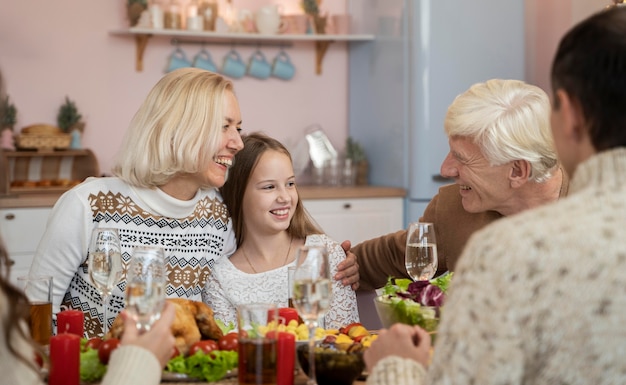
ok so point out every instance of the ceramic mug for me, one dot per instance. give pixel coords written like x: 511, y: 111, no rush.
x: 259, y: 67
x: 204, y: 61
x: 177, y: 60
x: 234, y: 66
x: 282, y: 67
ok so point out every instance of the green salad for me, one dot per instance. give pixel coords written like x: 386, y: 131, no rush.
x: 413, y: 303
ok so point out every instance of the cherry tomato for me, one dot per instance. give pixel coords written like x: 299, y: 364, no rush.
x: 93, y: 343
x: 205, y: 346
x: 106, y: 348
x: 229, y: 341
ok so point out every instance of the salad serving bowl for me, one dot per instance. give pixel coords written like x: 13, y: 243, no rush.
x: 412, y: 303
x: 406, y: 311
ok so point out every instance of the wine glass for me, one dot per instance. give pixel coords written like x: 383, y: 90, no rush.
x: 421, y: 251
x: 105, y: 265
x: 312, y: 293
x: 145, y: 286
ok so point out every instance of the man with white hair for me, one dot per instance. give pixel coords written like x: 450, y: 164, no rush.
x: 502, y: 160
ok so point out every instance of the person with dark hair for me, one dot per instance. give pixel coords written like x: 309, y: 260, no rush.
x: 539, y: 297
x: 270, y: 224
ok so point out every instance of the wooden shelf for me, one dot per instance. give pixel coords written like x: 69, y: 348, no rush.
x: 37, y: 172
x: 142, y: 35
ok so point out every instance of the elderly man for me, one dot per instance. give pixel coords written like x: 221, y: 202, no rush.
x: 503, y: 161
x: 539, y: 298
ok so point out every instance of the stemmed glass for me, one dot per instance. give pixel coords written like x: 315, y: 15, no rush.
x: 145, y: 286
x: 421, y: 251
x: 105, y: 265
x: 312, y: 293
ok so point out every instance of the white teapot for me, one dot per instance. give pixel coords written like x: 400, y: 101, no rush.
x: 268, y: 20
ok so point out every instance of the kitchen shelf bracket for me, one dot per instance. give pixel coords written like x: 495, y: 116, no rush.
x: 141, y: 42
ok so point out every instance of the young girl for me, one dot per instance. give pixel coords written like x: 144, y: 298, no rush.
x: 270, y: 225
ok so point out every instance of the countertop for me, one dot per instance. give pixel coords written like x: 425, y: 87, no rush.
x: 306, y: 192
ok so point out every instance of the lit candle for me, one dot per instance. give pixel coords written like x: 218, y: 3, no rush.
x: 285, y: 358
x: 64, y: 360
x: 70, y: 321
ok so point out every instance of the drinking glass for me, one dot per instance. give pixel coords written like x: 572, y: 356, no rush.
x: 105, y: 265
x: 38, y: 291
x: 145, y: 286
x: 312, y: 293
x: 421, y: 251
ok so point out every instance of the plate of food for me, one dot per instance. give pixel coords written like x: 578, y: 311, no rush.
x: 182, y: 377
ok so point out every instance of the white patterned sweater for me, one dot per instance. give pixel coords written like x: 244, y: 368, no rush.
x: 195, y: 234
x: 228, y: 287
x: 540, y: 297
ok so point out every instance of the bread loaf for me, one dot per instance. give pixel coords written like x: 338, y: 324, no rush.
x: 41, y: 129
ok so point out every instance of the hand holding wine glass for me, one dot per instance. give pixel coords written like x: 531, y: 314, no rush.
x: 145, y: 286
x: 421, y: 251
x: 105, y: 265
x: 312, y: 293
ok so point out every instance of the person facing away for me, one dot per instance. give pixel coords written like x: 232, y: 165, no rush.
x: 271, y: 224
x: 138, y: 361
x: 539, y: 298
x: 502, y: 160
x: 176, y: 152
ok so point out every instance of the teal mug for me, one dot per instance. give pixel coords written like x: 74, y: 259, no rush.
x: 282, y: 67
x: 177, y: 60
x: 204, y: 61
x: 259, y: 67
x: 234, y: 66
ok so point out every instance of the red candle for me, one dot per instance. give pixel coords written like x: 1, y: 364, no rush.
x: 285, y: 358
x: 70, y: 321
x: 64, y: 360
x: 285, y: 314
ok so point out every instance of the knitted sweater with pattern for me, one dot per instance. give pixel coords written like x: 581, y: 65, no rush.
x: 194, y: 234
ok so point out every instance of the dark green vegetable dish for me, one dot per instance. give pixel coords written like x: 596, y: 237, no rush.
x: 333, y: 366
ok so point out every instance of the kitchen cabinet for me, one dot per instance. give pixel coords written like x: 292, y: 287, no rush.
x: 322, y: 41
x: 357, y: 219
x: 21, y: 229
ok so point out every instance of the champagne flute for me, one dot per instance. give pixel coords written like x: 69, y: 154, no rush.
x: 421, y: 251
x: 312, y: 293
x: 105, y: 265
x: 145, y: 286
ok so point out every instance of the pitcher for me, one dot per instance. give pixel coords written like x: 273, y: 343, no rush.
x: 268, y: 20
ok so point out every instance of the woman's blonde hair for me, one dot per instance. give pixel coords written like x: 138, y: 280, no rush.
x: 176, y: 130
x: 508, y: 120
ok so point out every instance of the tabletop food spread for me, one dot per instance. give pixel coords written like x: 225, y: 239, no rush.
x: 216, y: 361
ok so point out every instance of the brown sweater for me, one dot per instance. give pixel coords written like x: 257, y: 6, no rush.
x: 383, y: 257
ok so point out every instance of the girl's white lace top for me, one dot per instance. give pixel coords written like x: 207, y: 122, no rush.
x: 228, y: 287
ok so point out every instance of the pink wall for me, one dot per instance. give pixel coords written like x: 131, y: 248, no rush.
x: 50, y: 49
x: 546, y: 23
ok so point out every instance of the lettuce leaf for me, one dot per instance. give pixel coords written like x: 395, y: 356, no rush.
x: 91, y: 369
x: 209, y: 367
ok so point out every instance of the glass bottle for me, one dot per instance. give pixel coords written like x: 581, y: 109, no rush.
x: 208, y: 9
x: 173, y: 15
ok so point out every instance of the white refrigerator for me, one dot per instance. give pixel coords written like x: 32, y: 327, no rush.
x: 425, y: 53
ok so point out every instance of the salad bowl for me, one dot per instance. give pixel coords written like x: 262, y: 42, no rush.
x: 412, y: 303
